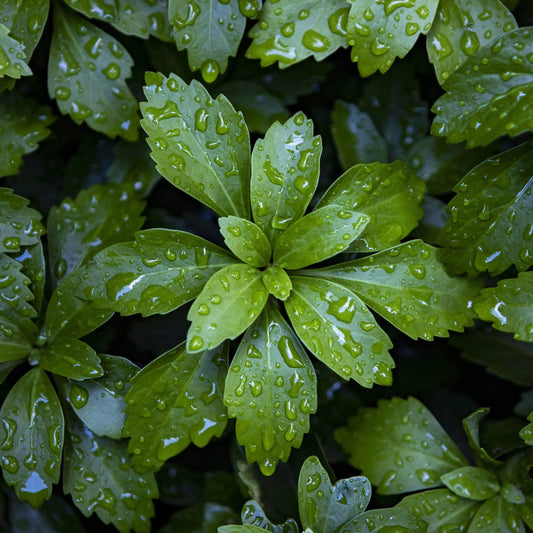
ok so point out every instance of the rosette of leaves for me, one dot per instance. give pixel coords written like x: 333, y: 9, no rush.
x: 402, y: 448
x: 201, y: 145
x: 70, y: 405
x: 328, y: 508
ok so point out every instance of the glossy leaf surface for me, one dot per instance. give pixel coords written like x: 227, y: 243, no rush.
x: 33, y: 266
x: 472, y: 482
x: 277, y: 282
x: 16, y: 340
x: 389, y: 194
x: 253, y: 516
x: 472, y: 430
x: 384, y: 520
x: 12, y: 56
x: 87, y: 74
x: 200, y: 144
x: 33, y: 427
x: 338, y: 329
x: 173, y: 401
x: 285, y: 170
x: 230, y: 302
x: 499, y: 515
x: 491, y: 227
x: 270, y: 390
x: 394, y: 431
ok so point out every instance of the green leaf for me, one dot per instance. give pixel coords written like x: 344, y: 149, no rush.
x: 245, y: 240
x: 285, y: 170
x: 271, y: 390
x: 235, y: 291
x: 399, y: 446
x: 527, y: 431
x: 289, y: 32
x: 472, y: 482
x: 201, y: 145
x: 33, y: 266
x: 209, y: 30
x: 389, y: 194
x: 337, y: 327
x: 240, y: 529
x: 317, y: 236
x: 16, y: 340
x: 157, y: 273
x: 12, y: 56
x: 497, y: 514
x: 277, y: 282
x: 7, y: 367
x: 490, y: 227
x: 409, y: 287
x: 526, y: 511
x: 20, y: 225
x: 253, y: 516
x: 33, y: 425
x: 100, y: 216
x: 385, y: 520
x: 325, y: 508
x: 99, y: 403
x: 471, y: 427
x: 356, y: 138
x: 87, y: 74
x: 98, y: 474
x: 23, y: 124
x: 502, y: 77
x: 70, y: 358
x: 509, y: 306
x: 379, y: 33
x: 173, y: 401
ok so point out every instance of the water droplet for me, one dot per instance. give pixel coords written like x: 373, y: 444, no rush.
x: 288, y: 352
x: 379, y: 48
x: 287, y: 30
x: 210, y: 70
x: 62, y: 93
x: 200, y: 119
x: 78, y: 396
x: 316, y: 42
x: 469, y: 42
x: 411, y: 28
x: 10, y: 427
x: 112, y: 71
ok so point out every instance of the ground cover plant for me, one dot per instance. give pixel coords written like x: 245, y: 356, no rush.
x: 266, y: 266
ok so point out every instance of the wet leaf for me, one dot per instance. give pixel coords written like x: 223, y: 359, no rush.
x: 391, y: 519
x: 379, y: 33
x: 98, y: 474
x: 500, y: 102
x: 471, y: 427
x: 100, y: 216
x: 472, y: 482
x: 12, y: 56
x: 201, y: 145
x: 16, y: 341
x: 209, y: 30
x: 338, y: 329
x: 175, y: 400
x: 33, y: 266
x: 285, y: 170
x: 527, y: 431
x: 87, y: 74
x: 235, y: 291
x: 277, y: 282
x: 509, y: 306
x: 409, y: 287
x: 356, y: 137
x: 490, y: 227
x: 497, y: 514
x: 157, y: 273
x: 270, y: 390
x: 241, y: 529
x: 461, y: 28
x: 289, y: 32
x: 33, y: 425
x: 23, y: 124
x: 389, y: 194
x: 409, y: 448
x: 253, y: 516
x: 317, y: 236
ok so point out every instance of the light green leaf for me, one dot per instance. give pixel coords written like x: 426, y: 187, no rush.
x: 356, y: 138
x: 209, y: 30
x: 499, y: 515
x: 252, y: 515
x: 99, y: 476
x: 157, y: 273
x: 381, y: 32
x: 461, y: 28
x: 70, y: 358
x: 471, y: 427
x: 175, y: 400
x: 87, y: 73
x: 100, y: 216
x: 472, y: 482
x: 271, y: 390
x: 23, y: 124
x: 509, y: 306
x: 20, y: 225
x: 201, y: 145
x: 99, y: 402
x: 241, y: 529
x: 235, y: 291
x: 409, y: 287
x: 16, y: 340
x: 384, y: 520
x: 526, y: 511
x: 33, y: 425
x: 33, y: 266
x: 289, y: 32
x: 12, y: 56
x: 491, y: 227
x: 245, y: 240
x: 337, y: 327
x: 317, y: 236
x: 325, y: 508
x: 285, y: 170
x: 389, y: 194
x: 399, y: 446
x: 277, y: 282
x: 500, y: 103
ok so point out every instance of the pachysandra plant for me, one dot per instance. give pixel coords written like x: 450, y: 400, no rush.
x: 202, y: 146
